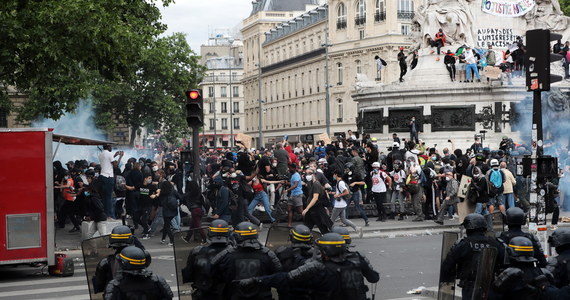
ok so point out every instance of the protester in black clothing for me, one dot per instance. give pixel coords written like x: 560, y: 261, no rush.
x: 314, y: 213
x: 147, y: 194
x: 133, y: 184
x: 449, y: 62
x: 403, y: 64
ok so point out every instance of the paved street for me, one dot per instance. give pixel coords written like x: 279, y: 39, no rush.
x: 400, y: 261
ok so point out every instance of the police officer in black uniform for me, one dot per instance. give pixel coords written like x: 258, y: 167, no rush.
x: 198, y: 268
x: 135, y: 281
x: 121, y: 237
x: 515, y: 220
x: 519, y: 280
x: 462, y: 259
x: 295, y: 255
x: 249, y: 259
x: 560, y: 265
x: 300, y: 250
x: 331, y: 276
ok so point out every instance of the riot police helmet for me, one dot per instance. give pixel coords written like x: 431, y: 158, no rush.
x: 121, y: 236
x: 521, y: 249
x: 332, y: 246
x: 301, y: 234
x: 219, y: 232
x: 474, y: 221
x: 560, y: 238
x: 246, y: 234
x: 515, y: 216
x: 343, y: 232
x: 133, y: 258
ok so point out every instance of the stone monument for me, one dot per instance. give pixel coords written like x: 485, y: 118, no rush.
x: 458, y: 110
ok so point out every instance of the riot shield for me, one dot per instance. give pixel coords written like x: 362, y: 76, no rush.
x: 485, y: 273
x: 277, y: 236
x: 446, y: 290
x: 182, y: 251
x: 495, y: 223
x: 94, y: 250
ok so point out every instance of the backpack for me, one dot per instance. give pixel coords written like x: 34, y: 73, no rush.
x: 171, y: 202
x: 120, y: 183
x: 495, y: 182
x: 384, y: 63
x: 349, y: 196
x: 246, y: 190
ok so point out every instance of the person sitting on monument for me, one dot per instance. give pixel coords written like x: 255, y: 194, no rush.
x: 438, y: 42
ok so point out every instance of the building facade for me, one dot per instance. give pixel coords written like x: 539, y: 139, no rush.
x: 222, y: 91
x: 343, y: 35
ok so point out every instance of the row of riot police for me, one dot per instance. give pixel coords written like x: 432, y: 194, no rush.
x: 237, y: 266
x: 510, y: 266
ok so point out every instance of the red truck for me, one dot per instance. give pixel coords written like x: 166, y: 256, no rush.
x: 27, y: 229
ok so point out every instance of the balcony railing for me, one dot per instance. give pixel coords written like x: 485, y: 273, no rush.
x: 340, y: 24
x: 360, y: 20
x: 380, y: 16
x: 406, y: 15
x: 222, y: 78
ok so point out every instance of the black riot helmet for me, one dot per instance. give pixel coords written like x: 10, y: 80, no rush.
x: 121, y: 236
x: 521, y: 249
x: 515, y: 216
x: 332, y: 246
x: 560, y: 238
x: 246, y: 235
x: 219, y: 232
x: 133, y: 258
x: 301, y: 234
x: 343, y: 233
x: 474, y: 221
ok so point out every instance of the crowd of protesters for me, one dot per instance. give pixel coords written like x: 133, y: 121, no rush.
x: 318, y: 184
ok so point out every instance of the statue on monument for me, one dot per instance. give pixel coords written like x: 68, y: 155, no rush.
x: 453, y: 16
x: 547, y: 14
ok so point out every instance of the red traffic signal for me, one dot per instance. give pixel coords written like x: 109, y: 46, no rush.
x: 193, y: 94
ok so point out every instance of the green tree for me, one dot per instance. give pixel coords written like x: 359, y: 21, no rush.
x: 154, y: 97
x: 565, y: 6
x: 53, y: 50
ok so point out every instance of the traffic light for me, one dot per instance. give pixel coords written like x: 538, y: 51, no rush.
x: 538, y: 59
x: 194, y: 108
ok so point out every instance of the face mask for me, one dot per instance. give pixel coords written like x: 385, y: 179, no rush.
x: 350, y: 173
x: 155, y: 168
x: 309, y: 177
x: 447, y: 178
x: 434, y: 158
x: 148, y: 181
x: 274, y: 165
x: 86, y: 194
x: 233, y: 175
x: 66, y: 177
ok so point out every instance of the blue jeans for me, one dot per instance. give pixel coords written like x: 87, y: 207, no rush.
x: 263, y: 198
x: 509, y: 200
x: 480, y: 210
x: 468, y: 69
x: 356, y: 197
x: 107, y: 195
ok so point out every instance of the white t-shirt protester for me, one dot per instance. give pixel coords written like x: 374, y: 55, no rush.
x: 399, y: 177
x: 378, y: 182
x: 340, y: 188
x: 105, y: 159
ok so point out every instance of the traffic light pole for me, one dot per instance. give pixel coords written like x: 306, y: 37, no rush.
x: 196, y: 155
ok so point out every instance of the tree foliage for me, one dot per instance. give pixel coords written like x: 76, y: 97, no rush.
x: 154, y: 96
x: 565, y: 6
x: 54, y: 50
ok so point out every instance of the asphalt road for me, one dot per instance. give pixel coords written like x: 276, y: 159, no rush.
x: 404, y: 263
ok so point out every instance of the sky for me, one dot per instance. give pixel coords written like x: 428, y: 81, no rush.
x: 198, y: 18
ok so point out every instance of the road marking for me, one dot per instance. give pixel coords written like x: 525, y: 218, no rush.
x: 48, y: 280
x: 45, y: 291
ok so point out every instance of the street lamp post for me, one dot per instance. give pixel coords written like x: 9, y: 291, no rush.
x: 215, y: 120
x: 260, y: 125
x: 230, y: 59
x: 327, y: 88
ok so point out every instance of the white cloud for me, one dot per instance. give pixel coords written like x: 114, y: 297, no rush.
x: 198, y: 18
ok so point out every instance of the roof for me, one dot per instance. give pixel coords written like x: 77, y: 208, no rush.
x: 73, y: 140
x: 281, y: 5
